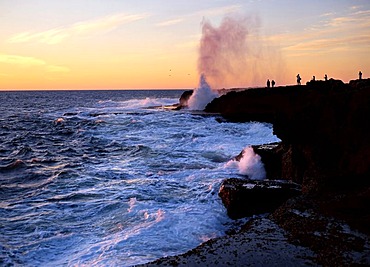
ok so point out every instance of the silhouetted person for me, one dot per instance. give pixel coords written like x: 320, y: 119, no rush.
x: 272, y: 83
x: 268, y: 83
x: 360, y: 75
x: 299, y: 79
x: 313, y: 78
x: 326, y: 77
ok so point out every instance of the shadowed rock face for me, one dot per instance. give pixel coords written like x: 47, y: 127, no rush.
x: 244, y: 198
x: 324, y: 128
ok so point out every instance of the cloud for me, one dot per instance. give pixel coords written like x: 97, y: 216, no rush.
x: 26, y: 62
x: 21, y: 60
x: 170, y: 22
x: 219, y: 10
x: 57, y: 35
x: 335, y: 44
x: 205, y: 12
x: 105, y: 23
x: 337, y: 33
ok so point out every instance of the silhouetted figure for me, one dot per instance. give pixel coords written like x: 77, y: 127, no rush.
x: 272, y: 83
x: 360, y: 75
x: 326, y: 77
x: 299, y: 79
x: 268, y: 83
x: 313, y: 78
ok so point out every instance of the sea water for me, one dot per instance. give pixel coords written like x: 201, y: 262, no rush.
x: 102, y: 178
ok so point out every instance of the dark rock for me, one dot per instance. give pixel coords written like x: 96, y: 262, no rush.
x: 184, y: 98
x: 271, y: 157
x: 309, y: 222
x: 244, y: 198
x: 324, y: 128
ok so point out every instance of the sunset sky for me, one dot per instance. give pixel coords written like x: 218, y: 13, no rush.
x: 119, y: 44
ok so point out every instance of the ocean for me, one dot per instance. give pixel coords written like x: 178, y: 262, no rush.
x: 111, y: 178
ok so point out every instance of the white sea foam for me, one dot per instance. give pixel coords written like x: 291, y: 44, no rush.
x: 202, y: 95
x: 250, y: 164
x: 148, y: 102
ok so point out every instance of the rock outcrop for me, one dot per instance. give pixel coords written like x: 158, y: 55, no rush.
x: 183, y: 101
x: 324, y: 128
x: 244, y: 198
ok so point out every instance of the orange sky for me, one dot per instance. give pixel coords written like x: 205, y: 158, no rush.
x: 146, y: 45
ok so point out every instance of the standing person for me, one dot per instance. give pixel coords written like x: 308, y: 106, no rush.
x: 360, y: 75
x: 326, y: 77
x: 272, y: 83
x: 268, y: 83
x: 299, y: 79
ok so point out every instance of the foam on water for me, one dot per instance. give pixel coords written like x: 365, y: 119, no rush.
x: 116, y: 183
x: 250, y: 164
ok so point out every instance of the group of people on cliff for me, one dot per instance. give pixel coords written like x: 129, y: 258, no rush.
x: 325, y: 78
x: 272, y: 83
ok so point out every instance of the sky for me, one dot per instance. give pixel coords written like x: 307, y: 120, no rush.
x: 142, y: 44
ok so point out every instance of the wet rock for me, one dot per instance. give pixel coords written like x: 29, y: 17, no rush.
x: 184, y: 98
x: 263, y: 243
x: 271, y: 157
x: 308, y: 222
x: 244, y: 198
x: 324, y: 127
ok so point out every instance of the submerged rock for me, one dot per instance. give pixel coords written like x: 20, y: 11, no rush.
x: 244, y: 198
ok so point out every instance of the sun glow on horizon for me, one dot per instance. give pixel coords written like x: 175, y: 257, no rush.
x: 116, y: 45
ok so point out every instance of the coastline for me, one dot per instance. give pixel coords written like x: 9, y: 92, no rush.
x: 324, y: 129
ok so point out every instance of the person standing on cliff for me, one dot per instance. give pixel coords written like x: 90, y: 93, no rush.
x: 360, y: 75
x: 326, y: 78
x: 299, y: 79
x: 268, y: 83
x: 272, y: 83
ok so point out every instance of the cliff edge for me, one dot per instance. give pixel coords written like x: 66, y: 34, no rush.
x: 324, y: 127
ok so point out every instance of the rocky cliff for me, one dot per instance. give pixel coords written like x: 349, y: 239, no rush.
x: 324, y: 128
x: 325, y: 133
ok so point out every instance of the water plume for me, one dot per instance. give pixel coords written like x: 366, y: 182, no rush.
x: 223, y: 51
x: 250, y: 164
x: 201, y: 96
x: 234, y: 55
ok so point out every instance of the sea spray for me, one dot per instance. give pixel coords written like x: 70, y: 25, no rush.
x: 221, y: 57
x: 201, y: 96
x: 235, y: 55
x: 250, y: 164
x: 223, y: 54
x: 223, y: 51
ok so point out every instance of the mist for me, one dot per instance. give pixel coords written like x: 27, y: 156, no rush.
x: 233, y: 55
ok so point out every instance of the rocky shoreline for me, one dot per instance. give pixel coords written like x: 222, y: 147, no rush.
x: 325, y: 151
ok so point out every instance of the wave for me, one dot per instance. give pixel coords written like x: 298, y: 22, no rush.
x: 148, y: 103
x: 16, y: 164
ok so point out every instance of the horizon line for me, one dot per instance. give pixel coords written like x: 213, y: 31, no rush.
x: 92, y: 89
